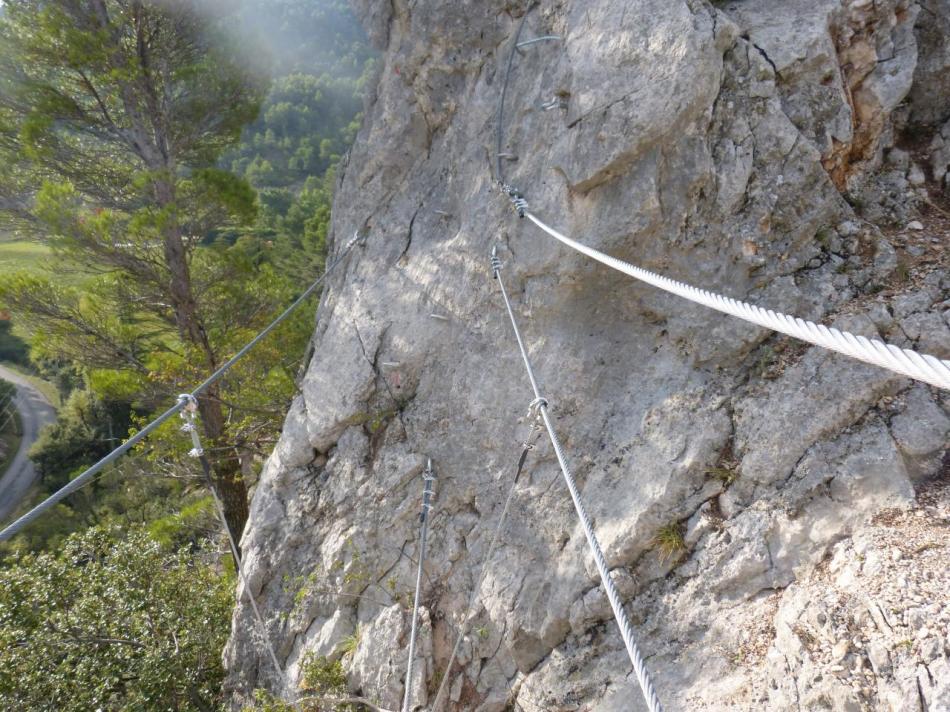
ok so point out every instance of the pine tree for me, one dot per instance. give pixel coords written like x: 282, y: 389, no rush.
x: 113, y: 114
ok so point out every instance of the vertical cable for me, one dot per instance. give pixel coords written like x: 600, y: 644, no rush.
x: 190, y: 407
x: 424, y: 520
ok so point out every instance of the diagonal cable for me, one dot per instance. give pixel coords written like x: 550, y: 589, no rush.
x: 86, y: 476
x: 626, y: 630
x: 189, y: 409
x: 921, y: 367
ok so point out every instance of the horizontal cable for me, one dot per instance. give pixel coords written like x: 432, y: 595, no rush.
x: 921, y: 367
x: 84, y: 478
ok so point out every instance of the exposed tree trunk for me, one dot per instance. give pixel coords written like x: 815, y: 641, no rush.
x: 227, y: 473
x: 147, y: 133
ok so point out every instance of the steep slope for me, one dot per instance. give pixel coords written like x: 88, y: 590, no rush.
x: 713, y: 144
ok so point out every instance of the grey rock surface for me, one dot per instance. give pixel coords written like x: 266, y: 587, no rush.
x: 708, y: 142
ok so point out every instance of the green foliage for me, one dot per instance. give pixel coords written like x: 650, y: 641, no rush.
x: 12, y: 347
x: 76, y: 81
x: 901, y: 272
x: 177, y: 529
x: 85, y: 430
x: 351, y: 642
x: 307, y: 36
x: 323, y: 681
x: 669, y: 541
x: 113, y: 622
x: 323, y: 676
x: 73, y: 89
x: 726, y: 475
x: 305, y: 125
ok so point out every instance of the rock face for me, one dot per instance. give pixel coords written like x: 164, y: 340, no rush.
x: 707, y: 142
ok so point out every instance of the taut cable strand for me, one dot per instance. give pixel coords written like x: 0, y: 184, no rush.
x: 921, y: 367
x: 528, y: 445
x: 626, y: 630
x: 87, y: 476
x: 428, y: 478
x: 189, y: 410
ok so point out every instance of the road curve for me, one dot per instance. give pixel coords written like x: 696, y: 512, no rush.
x: 35, y: 412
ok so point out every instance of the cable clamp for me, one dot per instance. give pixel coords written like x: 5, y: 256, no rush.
x: 495, y: 262
x: 191, y: 403
x: 521, y: 205
x: 428, y: 476
x: 188, y: 414
x: 555, y: 103
x: 518, y: 201
x: 516, y: 197
x: 535, y: 406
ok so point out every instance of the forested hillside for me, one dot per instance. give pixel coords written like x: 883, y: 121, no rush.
x: 151, y: 223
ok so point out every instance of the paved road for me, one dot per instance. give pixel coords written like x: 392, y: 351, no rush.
x: 35, y: 412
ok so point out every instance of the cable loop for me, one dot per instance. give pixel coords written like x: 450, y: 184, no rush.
x: 535, y: 406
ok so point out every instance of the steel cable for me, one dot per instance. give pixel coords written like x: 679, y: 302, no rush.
x: 86, y: 476
x: 921, y: 367
x: 189, y: 409
x: 429, y: 478
x: 626, y: 630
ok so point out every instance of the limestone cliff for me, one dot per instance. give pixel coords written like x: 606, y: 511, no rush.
x: 772, y: 150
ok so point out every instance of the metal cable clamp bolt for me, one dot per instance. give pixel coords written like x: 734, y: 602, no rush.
x: 495, y: 262
x: 188, y: 415
x: 535, y: 406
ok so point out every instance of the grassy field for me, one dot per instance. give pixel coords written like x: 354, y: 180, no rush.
x: 17, y: 255
x: 35, y: 258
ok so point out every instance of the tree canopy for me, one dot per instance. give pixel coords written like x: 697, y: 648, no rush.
x: 112, y: 622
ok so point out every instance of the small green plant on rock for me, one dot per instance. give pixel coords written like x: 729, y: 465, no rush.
x: 726, y: 475
x: 323, y: 684
x: 670, y: 542
x: 901, y: 272
x: 352, y: 642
